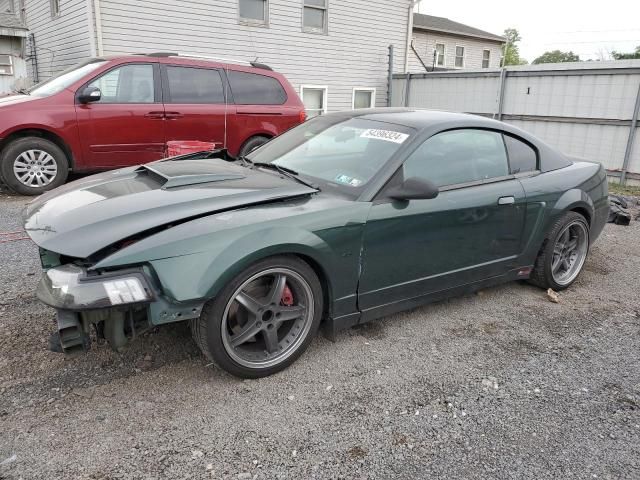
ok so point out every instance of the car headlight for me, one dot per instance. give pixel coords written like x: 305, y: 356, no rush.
x: 69, y: 287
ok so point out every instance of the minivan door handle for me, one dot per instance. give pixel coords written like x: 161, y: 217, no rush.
x: 156, y: 115
x: 171, y: 115
x: 506, y: 201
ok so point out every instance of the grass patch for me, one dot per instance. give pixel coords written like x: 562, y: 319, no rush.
x: 618, y: 189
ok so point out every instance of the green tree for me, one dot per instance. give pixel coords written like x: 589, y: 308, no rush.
x: 557, y: 56
x: 626, y: 56
x: 510, y: 50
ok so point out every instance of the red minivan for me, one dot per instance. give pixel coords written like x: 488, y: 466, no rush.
x: 118, y: 111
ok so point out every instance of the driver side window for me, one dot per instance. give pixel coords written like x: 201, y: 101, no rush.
x: 459, y: 156
x: 126, y: 84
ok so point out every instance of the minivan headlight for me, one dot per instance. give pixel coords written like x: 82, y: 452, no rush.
x: 69, y: 287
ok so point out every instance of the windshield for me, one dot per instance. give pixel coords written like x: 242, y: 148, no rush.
x: 66, y: 78
x: 341, y: 152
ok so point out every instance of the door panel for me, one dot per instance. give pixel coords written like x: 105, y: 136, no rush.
x: 195, y: 104
x: 423, y: 246
x: 126, y: 126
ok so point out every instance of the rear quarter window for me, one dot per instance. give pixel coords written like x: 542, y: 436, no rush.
x: 255, y: 89
x: 522, y: 157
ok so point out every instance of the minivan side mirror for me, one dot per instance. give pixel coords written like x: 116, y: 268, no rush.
x: 414, y: 189
x: 90, y: 94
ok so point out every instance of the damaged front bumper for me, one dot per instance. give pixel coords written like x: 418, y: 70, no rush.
x: 121, y: 304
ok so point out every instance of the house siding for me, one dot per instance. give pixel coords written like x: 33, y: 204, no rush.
x: 425, y: 43
x: 61, y: 41
x: 352, y: 54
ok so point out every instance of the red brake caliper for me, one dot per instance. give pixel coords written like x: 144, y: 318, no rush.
x: 287, y: 297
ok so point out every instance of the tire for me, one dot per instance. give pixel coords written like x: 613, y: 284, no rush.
x: 236, y: 338
x: 251, y: 144
x: 44, y: 164
x: 543, y: 271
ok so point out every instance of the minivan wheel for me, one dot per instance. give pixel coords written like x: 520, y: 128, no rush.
x: 251, y: 144
x: 263, y: 320
x: 33, y: 165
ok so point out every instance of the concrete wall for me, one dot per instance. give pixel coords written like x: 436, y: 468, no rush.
x: 425, y: 42
x: 584, y: 109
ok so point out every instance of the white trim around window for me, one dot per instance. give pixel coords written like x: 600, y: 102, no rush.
x: 456, y: 57
x: 256, y: 22
x: 54, y: 5
x: 372, y: 101
x: 313, y: 112
x: 439, y: 55
x: 313, y: 7
x: 486, y: 58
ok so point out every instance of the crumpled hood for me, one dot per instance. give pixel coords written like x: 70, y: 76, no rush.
x: 85, y: 216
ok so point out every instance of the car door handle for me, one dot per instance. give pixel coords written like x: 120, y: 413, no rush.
x: 171, y: 115
x: 156, y: 115
x: 506, y: 201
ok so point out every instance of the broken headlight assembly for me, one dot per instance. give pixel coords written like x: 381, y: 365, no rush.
x: 69, y: 287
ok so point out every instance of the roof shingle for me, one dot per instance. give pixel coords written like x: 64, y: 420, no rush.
x: 444, y: 25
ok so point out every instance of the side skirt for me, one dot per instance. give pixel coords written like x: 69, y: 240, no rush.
x: 332, y: 326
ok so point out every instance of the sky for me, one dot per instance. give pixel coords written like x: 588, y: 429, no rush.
x: 590, y: 29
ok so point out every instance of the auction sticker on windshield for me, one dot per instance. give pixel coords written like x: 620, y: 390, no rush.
x: 386, y: 135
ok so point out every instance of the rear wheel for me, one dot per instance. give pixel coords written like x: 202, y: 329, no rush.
x: 263, y: 320
x: 251, y: 144
x: 33, y: 165
x: 565, y: 250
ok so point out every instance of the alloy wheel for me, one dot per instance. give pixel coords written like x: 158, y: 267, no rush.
x: 267, y: 318
x: 569, y: 252
x: 35, y: 168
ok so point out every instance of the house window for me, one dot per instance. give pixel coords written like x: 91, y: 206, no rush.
x: 315, y: 16
x: 459, y: 57
x: 254, y: 11
x: 314, y: 99
x: 363, y: 98
x: 6, y: 65
x: 439, y: 54
x: 486, y: 58
x: 55, y: 8
x: 6, y: 6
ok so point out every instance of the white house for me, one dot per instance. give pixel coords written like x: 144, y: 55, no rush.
x: 439, y: 43
x: 334, y: 52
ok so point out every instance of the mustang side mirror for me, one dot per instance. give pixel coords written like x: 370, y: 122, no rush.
x: 90, y: 94
x: 414, y: 189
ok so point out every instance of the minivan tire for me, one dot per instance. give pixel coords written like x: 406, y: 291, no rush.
x: 251, y: 144
x: 46, y: 158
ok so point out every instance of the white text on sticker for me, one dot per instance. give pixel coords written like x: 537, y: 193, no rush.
x: 387, y: 135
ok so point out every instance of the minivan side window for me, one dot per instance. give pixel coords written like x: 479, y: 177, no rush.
x: 255, y: 89
x: 459, y: 156
x: 190, y: 85
x: 522, y: 158
x: 127, y: 84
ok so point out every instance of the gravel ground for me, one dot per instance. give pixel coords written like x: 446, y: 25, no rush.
x: 502, y: 384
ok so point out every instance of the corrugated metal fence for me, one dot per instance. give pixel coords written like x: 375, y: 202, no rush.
x: 587, y: 109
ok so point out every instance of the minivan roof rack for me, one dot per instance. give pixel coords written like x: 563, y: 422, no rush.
x: 205, y: 57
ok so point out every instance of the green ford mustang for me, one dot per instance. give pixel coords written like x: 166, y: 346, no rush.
x: 344, y: 219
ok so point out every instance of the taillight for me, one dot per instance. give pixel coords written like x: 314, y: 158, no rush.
x: 303, y: 116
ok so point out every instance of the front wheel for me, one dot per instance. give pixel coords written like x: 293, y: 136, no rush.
x: 263, y: 320
x: 565, y: 250
x: 33, y: 165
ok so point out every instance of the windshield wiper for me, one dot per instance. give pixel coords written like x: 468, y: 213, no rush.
x: 287, y: 172
x: 23, y: 91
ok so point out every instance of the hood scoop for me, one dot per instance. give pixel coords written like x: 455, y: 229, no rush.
x: 173, y: 179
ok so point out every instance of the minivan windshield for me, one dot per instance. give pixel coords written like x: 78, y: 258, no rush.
x: 66, y: 78
x: 342, y: 151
